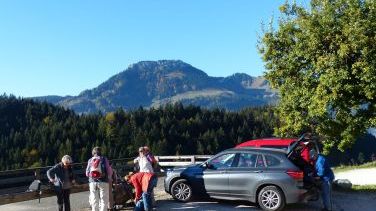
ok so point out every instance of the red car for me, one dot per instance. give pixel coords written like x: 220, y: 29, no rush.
x: 280, y: 143
x: 283, y: 143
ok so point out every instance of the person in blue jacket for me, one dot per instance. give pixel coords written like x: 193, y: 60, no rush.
x: 325, y: 174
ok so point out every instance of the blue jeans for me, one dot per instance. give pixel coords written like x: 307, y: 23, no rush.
x: 326, y: 194
x: 146, y: 198
x: 139, y: 206
x: 144, y: 204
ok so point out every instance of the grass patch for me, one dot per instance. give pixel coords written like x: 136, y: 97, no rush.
x: 357, y: 189
x: 348, y: 168
x: 364, y: 188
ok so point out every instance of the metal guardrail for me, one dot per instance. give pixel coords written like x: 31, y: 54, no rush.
x: 14, y: 183
x: 183, y: 160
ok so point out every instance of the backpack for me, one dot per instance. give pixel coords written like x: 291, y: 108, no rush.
x: 97, y: 168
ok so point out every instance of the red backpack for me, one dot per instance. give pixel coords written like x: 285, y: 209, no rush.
x: 97, y: 168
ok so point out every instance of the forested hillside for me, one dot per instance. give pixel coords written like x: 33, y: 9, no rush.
x: 38, y: 134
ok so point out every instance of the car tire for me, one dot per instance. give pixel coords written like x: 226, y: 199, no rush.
x: 181, y: 190
x: 271, y: 198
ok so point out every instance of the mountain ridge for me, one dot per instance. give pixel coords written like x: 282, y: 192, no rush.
x: 154, y: 83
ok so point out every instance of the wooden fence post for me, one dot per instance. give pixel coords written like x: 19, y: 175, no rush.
x: 193, y: 159
x: 37, y: 174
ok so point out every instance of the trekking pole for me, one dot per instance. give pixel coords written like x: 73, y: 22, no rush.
x: 37, y: 178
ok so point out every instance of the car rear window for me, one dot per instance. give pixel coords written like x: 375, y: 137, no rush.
x: 272, y: 161
x: 275, y: 146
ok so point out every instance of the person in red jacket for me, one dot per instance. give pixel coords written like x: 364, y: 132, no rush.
x: 141, y: 183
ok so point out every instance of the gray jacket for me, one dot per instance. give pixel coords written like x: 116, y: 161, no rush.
x: 57, y: 173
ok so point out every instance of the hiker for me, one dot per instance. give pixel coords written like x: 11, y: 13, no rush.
x: 326, y: 177
x: 100, y: 173
x: 61, y: 175
x: 142, y: 183
x: 308, y: 164
x: 144, y: 165
x: 150, y: 157
x: 145, y: 162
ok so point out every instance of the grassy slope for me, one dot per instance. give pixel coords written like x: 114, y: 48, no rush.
x: 358, y: 188
x: 348, y: 168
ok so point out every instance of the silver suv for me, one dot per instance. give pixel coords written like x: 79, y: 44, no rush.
x: 260, y: 175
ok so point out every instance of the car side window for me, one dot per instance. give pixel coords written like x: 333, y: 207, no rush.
x: 272, y: 161
x: 222, y: 161
x: 247, y: 160
x: 260, y: 162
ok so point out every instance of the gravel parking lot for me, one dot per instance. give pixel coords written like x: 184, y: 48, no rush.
x: 341, y: 201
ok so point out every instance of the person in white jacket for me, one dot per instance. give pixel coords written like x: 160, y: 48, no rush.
x: 145, y: 162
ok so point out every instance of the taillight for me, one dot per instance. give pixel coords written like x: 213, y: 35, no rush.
x: 296, y: 175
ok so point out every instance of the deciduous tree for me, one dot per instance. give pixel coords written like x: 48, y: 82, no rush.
x: 322, y: 59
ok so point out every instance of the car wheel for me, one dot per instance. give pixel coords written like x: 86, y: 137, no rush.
x: 271, y: 198
x: 181, y: 190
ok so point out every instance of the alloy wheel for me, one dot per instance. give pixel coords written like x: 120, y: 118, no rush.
x: 270, y: 199
x: 182, y: 191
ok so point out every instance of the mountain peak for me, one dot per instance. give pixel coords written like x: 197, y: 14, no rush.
x: 158, y: 63
x: 162, y: 68
x: 240, y: 76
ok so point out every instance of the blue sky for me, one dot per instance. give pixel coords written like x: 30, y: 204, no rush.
x: 65, y: 47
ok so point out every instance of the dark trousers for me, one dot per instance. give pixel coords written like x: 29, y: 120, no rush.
x: 63, y: 199
x: 326, y: 195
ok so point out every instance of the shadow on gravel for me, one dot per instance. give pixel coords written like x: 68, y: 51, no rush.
x: 205, y: 204
x: 214, y: 204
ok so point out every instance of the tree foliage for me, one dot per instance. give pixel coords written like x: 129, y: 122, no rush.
x: 39, y: 134
x: 322, y: 59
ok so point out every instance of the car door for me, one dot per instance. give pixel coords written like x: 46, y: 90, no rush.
x: 215, y: 176
x: 246, y: 175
